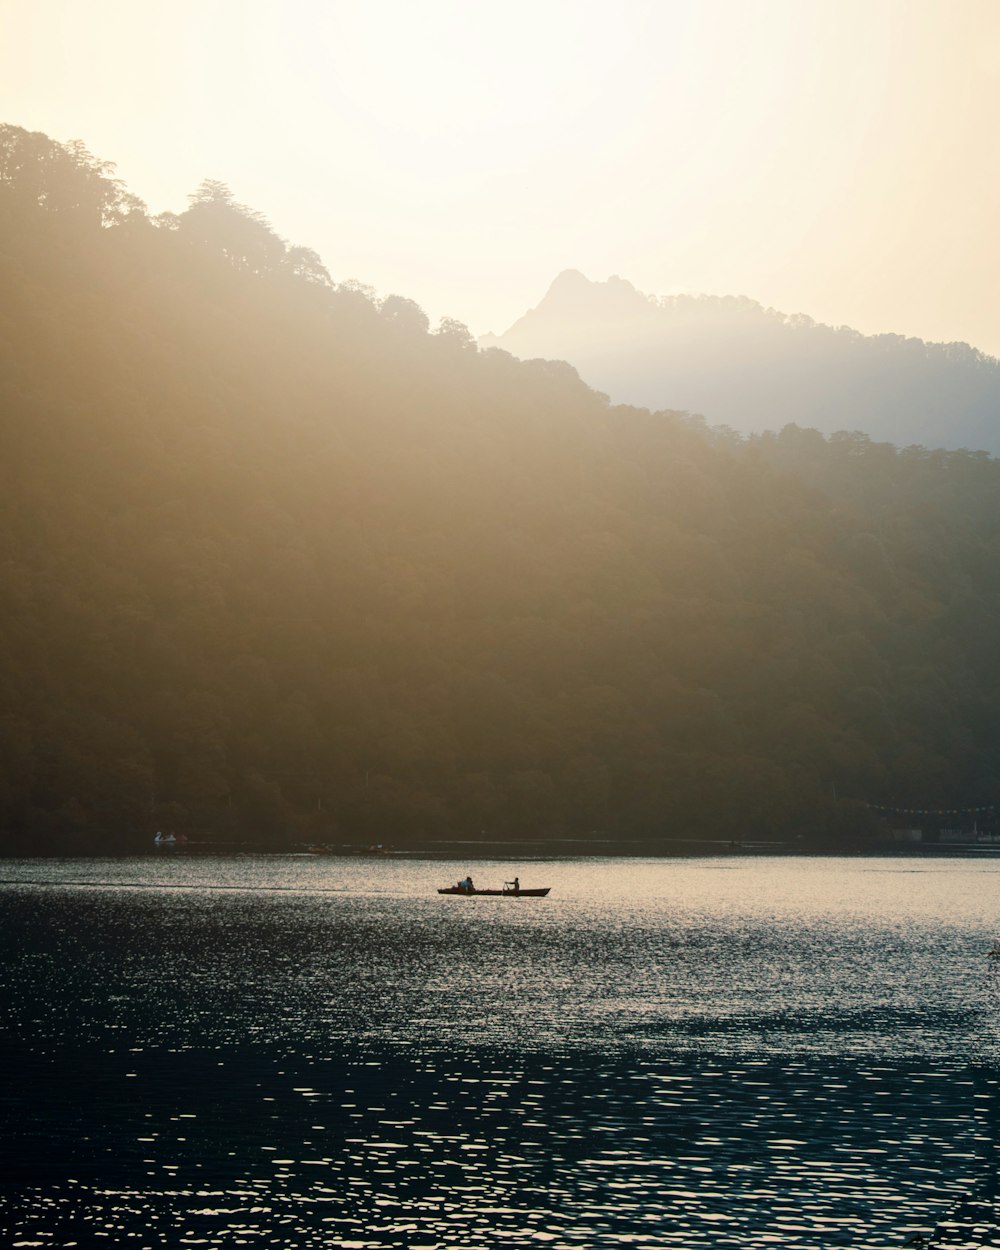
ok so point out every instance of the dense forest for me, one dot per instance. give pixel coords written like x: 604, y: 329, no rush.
x: 281, y: 564
x: 757, y: 369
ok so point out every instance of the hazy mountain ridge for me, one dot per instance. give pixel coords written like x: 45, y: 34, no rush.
x: 278, y: 562
x: 753, y: 368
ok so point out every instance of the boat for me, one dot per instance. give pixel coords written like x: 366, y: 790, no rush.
x: 171, y: 840
x: 504, y: 893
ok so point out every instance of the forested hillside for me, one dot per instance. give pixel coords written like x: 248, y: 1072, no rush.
x: 279, y: 563
x: 756, y: 369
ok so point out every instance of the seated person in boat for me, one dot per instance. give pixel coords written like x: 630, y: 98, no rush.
x: 466, y: 885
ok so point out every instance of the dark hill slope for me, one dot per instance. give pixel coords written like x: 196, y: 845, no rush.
x: 277, y: 563
x: 756, y: 369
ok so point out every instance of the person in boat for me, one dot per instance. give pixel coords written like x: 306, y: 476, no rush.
x: 516, y: 883
x: 467, y: 885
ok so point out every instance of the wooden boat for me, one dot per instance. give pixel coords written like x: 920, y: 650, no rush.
x: 511, y: 893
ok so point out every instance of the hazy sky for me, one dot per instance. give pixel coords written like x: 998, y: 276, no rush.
x: 834, y: 157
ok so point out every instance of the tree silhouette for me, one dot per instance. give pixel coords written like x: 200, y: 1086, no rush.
x: 216, y: 221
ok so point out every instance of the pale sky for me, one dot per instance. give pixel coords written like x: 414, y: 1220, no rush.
x: 834, y: 157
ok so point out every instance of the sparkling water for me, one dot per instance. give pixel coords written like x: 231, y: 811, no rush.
x: 301, y: 1052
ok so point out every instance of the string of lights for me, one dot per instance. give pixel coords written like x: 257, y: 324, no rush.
x: 933, y: 811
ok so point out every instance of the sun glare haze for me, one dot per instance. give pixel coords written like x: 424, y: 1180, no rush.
x: 832, y: 158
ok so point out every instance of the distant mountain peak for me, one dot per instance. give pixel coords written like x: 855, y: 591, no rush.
x: 572, y: 286
x: 755, y: 368
x: 575, y: 306
x: 568, y: 280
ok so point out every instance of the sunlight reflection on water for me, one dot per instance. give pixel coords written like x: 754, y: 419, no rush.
x: 304, y: 1052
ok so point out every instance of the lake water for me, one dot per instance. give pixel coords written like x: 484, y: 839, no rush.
x: 304, y: 1052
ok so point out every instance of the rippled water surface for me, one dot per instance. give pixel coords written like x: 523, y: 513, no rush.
x: 317, y: 1052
